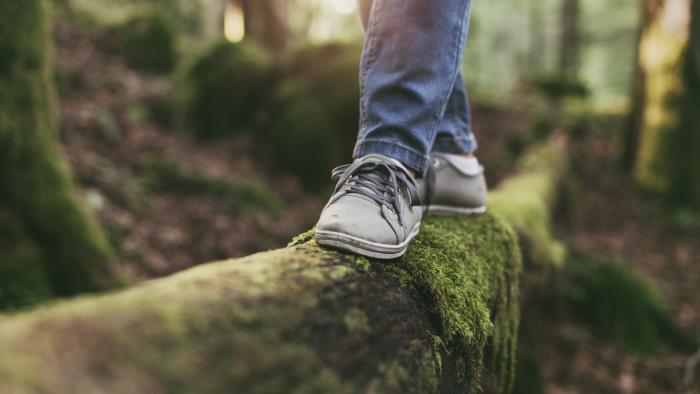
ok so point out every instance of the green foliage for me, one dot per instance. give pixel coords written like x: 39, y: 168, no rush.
x: 223, y: 90
x: 558, y: 86
x: 620, y: 306
x: 36, y: 186
x: 168, y: 176
x: 316, y: 111
x: 150, y: 42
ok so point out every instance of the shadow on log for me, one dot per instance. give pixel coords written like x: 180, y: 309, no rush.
x: 303, y: 319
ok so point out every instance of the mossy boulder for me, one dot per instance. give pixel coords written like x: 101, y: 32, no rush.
x: 315, y: 111
x: 149, y: 42
x: 224, y: 90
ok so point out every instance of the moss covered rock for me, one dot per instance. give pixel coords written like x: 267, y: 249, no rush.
x: 45, y: 229
x: 224, y: 90
x: 315, y: 111
x: 149, y: 42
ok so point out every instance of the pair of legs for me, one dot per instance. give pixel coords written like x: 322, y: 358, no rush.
x: 414, y: 126
x: 413, y: 99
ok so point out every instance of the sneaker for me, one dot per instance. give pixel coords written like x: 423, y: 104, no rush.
x: 454, y: 185
x: 375, y: 210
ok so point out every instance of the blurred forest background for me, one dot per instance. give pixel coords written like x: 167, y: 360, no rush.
x: 197, y: 130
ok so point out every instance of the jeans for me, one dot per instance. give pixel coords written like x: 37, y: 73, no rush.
x: 413, y: 100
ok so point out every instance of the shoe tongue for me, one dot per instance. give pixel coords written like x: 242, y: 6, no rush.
x: 392, y: 161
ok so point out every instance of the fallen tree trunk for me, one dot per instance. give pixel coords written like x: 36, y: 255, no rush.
x: 302, y: 319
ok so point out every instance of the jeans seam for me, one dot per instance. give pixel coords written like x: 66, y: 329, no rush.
x: 458, y: 60
x: 368, y: 61
x: 399, y: 144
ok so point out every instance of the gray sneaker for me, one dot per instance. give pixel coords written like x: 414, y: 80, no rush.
x: 454, y: 185
x: 375, y: 209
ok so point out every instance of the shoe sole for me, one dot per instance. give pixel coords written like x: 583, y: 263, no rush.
x: 447, y: 210
x: 363, y: 247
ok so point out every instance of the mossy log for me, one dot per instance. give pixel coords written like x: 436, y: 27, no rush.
x: 302, y: 319
x: 48, y: 243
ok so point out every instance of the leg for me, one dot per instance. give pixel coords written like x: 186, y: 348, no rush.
x: 409, y: 67
x: 455, y: 131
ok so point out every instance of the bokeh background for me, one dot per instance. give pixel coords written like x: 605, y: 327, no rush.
x: 198, y: 130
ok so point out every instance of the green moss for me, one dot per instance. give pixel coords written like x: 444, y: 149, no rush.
x: 356, y: 322
x: 469, y: 269
x: 620, y: 306
x: 37, y: 186
x: 222, y: 92
x: 302, y: 238
x: 166, y: 175
x: 150, y: 42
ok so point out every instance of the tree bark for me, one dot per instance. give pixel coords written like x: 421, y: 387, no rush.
x: 304, y: 319
x: 64, y: 251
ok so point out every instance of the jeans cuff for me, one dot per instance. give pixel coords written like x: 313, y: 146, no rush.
x: 406, y: 155
x: 449, y: 144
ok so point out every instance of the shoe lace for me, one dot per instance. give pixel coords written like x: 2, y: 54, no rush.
x: 377, y: 180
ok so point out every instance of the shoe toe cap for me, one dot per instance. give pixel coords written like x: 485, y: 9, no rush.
x: 357, y: 218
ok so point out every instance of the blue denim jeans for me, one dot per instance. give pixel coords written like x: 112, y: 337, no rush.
x: 413, y: 100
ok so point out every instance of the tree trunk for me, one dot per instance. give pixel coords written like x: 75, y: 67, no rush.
x: 51, y: 245
x: 630, y: 142
x: 304, y: 319
x: 569, y: 40
x: 266, y: 22
x: 669, y: 133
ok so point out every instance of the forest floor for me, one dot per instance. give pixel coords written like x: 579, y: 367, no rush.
x: 612, y: 218
x: 171, y: 203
